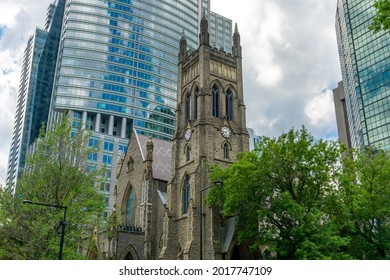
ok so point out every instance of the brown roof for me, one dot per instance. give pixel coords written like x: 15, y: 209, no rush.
x: 162, y: 156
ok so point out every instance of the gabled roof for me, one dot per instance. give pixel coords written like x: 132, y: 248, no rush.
x: 162, y: 155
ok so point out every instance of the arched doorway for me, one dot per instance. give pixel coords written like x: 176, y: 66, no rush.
x: 130, y: 254
x: 240, y: 251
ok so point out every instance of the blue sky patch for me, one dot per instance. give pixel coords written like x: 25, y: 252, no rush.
x: 3, y: 28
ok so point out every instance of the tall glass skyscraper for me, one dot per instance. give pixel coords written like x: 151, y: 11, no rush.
x: 111, y: 66
x: 22, y: 122
x: 365, y: 68
x: 117, y: 62
x: 35, y: 89
x: 220, y: 28
x: 117, y: 70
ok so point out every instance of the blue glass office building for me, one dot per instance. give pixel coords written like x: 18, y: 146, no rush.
x: 117, y: 62
x: 365, y: 65
x: 35, y: 89
x: 117, y: 70
x: 24, y: 105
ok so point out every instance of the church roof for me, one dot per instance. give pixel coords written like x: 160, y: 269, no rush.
x: 162, y: 156
x: 163, y: 196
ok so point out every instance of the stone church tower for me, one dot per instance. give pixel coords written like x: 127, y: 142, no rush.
x: 210, y: 129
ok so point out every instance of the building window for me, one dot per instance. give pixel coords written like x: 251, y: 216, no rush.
x: 130, y: 208
x: 108, y: 146
x: 76, y: 124
x: 107, y: 159
x: 92, y: 156
x: 76, y: 115
x: 122, y: 149
x: 89, y: 123
x: 188, y: 106
x: 93, y: 143
x: 90, y: 168
x: 196, y: 95
x: 229, y: 105
x: 226, y: 150
x: 186, y: 195
x: 105, y: 187
x: 215, y: 94
x: 188, y: 153
x: 130, y: 164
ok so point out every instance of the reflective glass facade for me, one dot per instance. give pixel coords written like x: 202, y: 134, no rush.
x: 220, y: 28
x: 117, y: 70
x: 24, y: 105
x: 220, y: 32
x: 365, y: 65
x: 35, y: 89
x: 119, y: 58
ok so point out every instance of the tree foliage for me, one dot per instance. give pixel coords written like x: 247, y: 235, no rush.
x: 305, y: 199
x: 55, y: 174
x: 282, y: 194
x: 381, y: 21
x: 365, y: 193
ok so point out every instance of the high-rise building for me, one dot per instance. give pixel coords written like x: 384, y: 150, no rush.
x: 220, y: 28
x: 341, y: 115
x: 116, y: 70
x: 365, y: 68
x: 20, y: 134
x: 254, y: 139
x: 35, y: 89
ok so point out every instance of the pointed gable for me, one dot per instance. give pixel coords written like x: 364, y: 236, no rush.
x: 162, y: 156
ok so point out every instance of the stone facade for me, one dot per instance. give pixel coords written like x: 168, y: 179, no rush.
x: 200, y: 116
x: 210, y: 129
x: 145, y: 170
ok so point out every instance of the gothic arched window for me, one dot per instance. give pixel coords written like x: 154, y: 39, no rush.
x: 130, y: 164
x: 229, y: 105
x: 226, y: 150
x: 215, y: 94
x: 130, y: 208
x: 188, y: 153
x: 196, y: 95
x: 186, y: 195
x: 129, y: 256
x: 188, y: 106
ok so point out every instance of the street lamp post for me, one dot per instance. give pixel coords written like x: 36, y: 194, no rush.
x: 215, y: 183
x: 62, y: 222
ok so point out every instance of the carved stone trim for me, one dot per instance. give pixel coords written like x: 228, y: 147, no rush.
x: 222, y: 60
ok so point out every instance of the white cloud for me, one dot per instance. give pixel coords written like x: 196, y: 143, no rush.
x: 290, y: 63
x: 320, y: 110
x: 290, y: 59
x: 7, y: 13
x: 266, y: 33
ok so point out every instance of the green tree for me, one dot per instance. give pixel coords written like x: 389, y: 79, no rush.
x: 381, y: 20
x: 55, y: 174
x: 365, y: 193
x: 283, y: 196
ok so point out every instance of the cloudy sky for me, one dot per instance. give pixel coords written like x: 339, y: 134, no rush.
x: 290, y: 62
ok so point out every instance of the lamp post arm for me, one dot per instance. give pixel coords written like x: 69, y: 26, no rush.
x: 63, y: 224
x: 44, y: 204
x: 216, y: 183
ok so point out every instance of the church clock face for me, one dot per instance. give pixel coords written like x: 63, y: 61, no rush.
x: 187, y: 134
x: 226, y: 132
